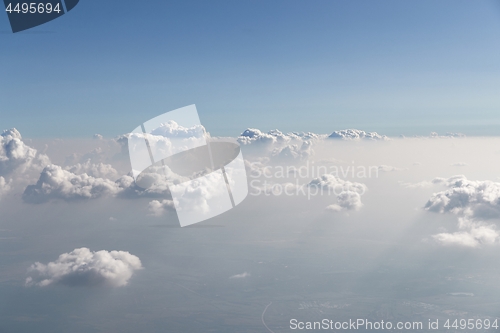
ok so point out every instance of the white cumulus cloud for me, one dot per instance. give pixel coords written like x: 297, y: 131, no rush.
x: 475, y: 199
x: 473, y: 202
x: 471, y: 234
x: 57, y: 183
x: 159, y: 208
x: 97, y: 170
x: 15, y: 155
x: 354, y: 134
x: 4, y: 186
x: 82, y: 267
x: 276, y: 137
x: 348, y: 193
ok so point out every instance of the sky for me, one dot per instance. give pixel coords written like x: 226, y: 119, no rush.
x: 395, y: 67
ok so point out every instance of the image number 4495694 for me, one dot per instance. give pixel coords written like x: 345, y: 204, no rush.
x: 32, y: 8
x: 26, y: 15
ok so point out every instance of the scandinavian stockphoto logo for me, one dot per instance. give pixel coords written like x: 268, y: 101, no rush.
x: 26, y: 15
x: 205, y: 176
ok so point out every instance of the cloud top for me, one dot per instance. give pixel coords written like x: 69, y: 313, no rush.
x: 354, y: 134
x: 57, y: 183
x: 15, y: 155
x: 473, y: 202
x: 475, y: 199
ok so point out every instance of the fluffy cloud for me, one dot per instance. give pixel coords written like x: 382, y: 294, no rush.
x: 97, y: 170
x: 196, y: 194
x: 348, y: 193
x: 159, y: 208
x: 73, y: 183
x: 293, y: 152
x: 474, y: 199
x: 435, y: 135
x: 81, y: 267
x: 347, y: 200
x: 4, y: 186
x: 354, y: 134
x: 152, y: 183
x: 171, y: 129
x: 171, y: 138
x: 15, y: 155
x: 471, y: 234
x: 473, y: 202
x: 252, y: 135
x: 57, y: 183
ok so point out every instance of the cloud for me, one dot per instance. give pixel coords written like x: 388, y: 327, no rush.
x: 354, y: 134
x: 473, y: 202
x: 194, y: 195
x: 171, y: 129
x: 253, y: 136
x: 474, y: 199
x: 435, y: 135
x: 81, y: 267
x: 293, y: 152
x: 96, y: 154
x: 4, y: 186
x: 57, y: 183
x: 350, y: 200
x: 97, y: 137
x: 348, y: 193
x: 455, y: 135
x: 472, y: 234
x: 159, y: 208
x: 97, y: 170
x: 152, y: 183
x: 171, y: 138
x: 346, y: 200
x: 240, y: 276
x: 16, y: 156
x: 459, y: 164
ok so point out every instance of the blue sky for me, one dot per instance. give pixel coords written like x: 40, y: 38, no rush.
x: 396, y: 67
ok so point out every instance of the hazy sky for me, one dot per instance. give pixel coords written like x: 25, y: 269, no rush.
x: 83, y: 250
x: 397, y: 67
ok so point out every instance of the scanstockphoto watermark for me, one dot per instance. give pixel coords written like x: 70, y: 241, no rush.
x: 359, y: 324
